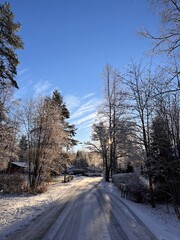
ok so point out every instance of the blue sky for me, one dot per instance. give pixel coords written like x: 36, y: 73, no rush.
x: 67, y: 44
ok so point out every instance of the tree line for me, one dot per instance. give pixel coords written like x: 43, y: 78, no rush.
x: 139, y: 121
x: 38, y: 130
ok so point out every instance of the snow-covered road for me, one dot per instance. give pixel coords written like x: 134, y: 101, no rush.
x: 84, y: 209
x: 94, y: 213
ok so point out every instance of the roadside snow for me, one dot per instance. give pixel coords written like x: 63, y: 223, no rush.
x: 16, y: 211
x: 159, y: 220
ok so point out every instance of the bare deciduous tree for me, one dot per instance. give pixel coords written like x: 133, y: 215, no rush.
x: 141, y: 87
x: 168, y: 39
x: 100, y: 144
x: 113, y: 109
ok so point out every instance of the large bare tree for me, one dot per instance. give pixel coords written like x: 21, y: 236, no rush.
x: 113, y: 109
x: 168, y: 39
x: 141, y: 85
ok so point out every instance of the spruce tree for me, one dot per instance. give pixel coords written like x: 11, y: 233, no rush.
x: 70, y: 129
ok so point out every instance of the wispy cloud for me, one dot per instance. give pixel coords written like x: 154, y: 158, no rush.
x: 86, y: 125
x: 85, y: 119
x: 88, y: 95
x: 29, y: 88
x: 72, y: 101
x: 84, y: 113
x: 42, y: 87
x: 24, y: 82
x: 87, y: 107
x: 23, y: 76
x: 21, y: 72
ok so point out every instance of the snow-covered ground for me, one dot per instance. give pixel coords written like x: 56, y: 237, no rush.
x: 16, y: 211
x: 159, y: 220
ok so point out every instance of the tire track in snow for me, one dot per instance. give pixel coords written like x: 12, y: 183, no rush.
x: 19, y: 225
x: 137, y: 229
x: 40, y: 225
x: 85, y: 212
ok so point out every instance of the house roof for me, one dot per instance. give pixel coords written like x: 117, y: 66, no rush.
x: 20, y: 164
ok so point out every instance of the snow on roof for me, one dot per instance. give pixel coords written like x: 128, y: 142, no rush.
x: 20, y: 164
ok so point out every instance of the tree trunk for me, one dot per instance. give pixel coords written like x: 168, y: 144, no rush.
x: 106, y: 170
x: 107, y: 175
x: 151, y: 192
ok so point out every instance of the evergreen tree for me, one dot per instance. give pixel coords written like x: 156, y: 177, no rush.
x: 81, y: 159
x: 23, y: 148
x: 161, y: 148
x: 23, y: 143
x: 9, y: 42
x: 57, y: 100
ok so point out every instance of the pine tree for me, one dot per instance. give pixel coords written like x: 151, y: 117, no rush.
x: 9, y: 42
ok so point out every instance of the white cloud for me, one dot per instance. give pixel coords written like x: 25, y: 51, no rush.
x: 88, y: 95
x: 23, y: 90
x: 89, y: 117
x: 21, y: 72
x: 23, y: 76
x: 42, y: 87
x: 84, y: 113
x: 87, y: 107
x: 72, y: 101
x: 27, y: 86
x: 86, y: 125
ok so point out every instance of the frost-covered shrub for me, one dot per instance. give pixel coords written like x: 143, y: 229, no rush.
x: 131, y: 186
x: 125, y: 178
x: 42, y: 188
x: 13, y: 183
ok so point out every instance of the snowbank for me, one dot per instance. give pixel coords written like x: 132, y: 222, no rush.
x: 161, y: 221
